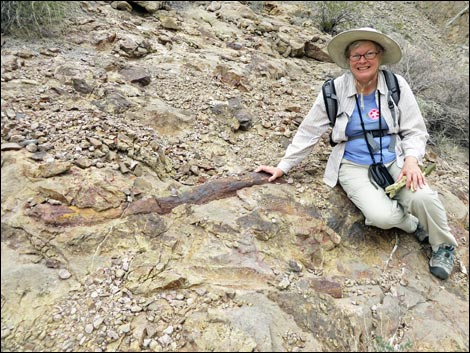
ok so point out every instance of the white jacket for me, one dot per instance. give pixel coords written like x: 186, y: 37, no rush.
x: 409, y: 127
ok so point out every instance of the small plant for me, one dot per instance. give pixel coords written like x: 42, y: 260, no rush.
x: 35, y: 18
x: 256, y: 6
x: 382, y: 345
x: 331, y: 14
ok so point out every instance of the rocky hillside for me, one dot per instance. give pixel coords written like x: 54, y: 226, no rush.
x: 132, y: 219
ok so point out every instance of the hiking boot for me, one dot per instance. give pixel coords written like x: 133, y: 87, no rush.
x: 421, y: 234
x: 442, y: 261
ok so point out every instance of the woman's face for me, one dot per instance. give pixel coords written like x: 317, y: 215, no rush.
x: 364, y: 61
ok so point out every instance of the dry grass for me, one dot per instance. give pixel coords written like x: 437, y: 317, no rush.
x: 442, y: 90
x: 36, y: 18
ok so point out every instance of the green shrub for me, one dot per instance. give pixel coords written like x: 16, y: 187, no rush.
x: 256, y: 6
x: 331, y: 14
x: 35, y: 18
x: 382, y: 345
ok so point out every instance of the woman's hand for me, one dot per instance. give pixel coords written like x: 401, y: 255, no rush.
x: 413, y: 173
x: 274, y: 171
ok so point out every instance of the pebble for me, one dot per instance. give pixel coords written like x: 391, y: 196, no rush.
x: 64, y: 274
x: 136, y: 308
x: 89, y: 328
x: 120, y: 273
x: 165, y: 340
x: 112, y: 335
x: 169, y: 330
x: 98, y: 322
x: 5, y: 333
x: 126, y: 328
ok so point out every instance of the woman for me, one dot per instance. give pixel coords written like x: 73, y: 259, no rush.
x: 400, y: 144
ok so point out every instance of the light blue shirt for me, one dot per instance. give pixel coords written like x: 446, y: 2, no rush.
x: 356, y: 150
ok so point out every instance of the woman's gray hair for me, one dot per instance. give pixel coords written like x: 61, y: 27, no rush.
x: 357, y: 43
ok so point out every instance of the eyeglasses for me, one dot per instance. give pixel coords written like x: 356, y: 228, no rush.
x: 368, y: 56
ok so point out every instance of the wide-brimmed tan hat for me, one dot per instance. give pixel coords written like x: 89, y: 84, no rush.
x: 337, y: 46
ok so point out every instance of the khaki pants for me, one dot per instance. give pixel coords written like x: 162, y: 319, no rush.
x: 404, y: 211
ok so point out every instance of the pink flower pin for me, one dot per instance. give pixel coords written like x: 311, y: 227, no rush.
x: 374, y: 114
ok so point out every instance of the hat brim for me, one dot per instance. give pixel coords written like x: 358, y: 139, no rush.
x: 337, y: 46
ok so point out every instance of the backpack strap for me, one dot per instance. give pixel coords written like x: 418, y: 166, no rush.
x: 393, y: 91
x: 331, y: 103
x: 392, y: 84
x: 331, y: 100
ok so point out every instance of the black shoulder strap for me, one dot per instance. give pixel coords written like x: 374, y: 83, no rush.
x: 331, y: 101
x: 393, y: 87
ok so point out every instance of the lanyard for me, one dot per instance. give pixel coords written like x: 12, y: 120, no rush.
x: 364, y: 130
